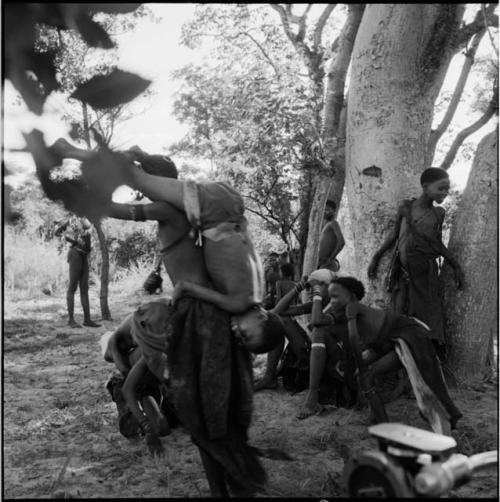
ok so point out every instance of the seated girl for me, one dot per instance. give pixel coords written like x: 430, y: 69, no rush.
x: 391, y: 341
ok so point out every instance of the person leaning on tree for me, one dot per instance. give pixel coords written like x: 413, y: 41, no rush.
x: 417, y: 237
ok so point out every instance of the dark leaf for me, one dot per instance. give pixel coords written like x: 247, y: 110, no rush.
x: 107, y: 91
x: 112, y: 8
x: 93, y: 33
x: 75, y: 194
x: 42, y: 65
x: 75, y: 131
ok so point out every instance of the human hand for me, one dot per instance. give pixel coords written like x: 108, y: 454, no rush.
x: 351, y: 310
x: 178, y: 292
x: 302, y: 284
x: 154, y: 445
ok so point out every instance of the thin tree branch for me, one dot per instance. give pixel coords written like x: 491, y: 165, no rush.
x: 462, y: 135
x: 457, y: 94
x: 264, y: 53
x: 485, y: 17
x: 334, y: 99
x: 285, y: 21
x: 302, y: 24
x: 481, y: 21
x: 318, y: 29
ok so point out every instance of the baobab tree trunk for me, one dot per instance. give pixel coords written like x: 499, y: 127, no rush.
x: 398, y: 65
x: 472, y: 314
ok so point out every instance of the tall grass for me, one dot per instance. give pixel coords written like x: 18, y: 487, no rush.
x: 32, y: 265
x: 131, y: 279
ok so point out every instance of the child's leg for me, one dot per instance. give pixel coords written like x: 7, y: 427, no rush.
x: 317, y: 364
x: 388, y: 362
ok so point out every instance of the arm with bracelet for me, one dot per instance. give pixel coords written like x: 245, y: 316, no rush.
x: 283, y: 305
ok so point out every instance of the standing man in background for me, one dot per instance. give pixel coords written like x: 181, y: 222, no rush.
x: 331, y: 241
x: 77, y: 233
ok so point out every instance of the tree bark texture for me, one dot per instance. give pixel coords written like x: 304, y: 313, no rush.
x: 472, y: 314
x: 395, y: 77
x: 329, y: 182
x: 103, y: 296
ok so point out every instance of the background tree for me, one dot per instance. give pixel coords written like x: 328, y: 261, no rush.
x: 281, y: 134
x: 37, y: 54
x: 472, y: 314
x: 389, y: 119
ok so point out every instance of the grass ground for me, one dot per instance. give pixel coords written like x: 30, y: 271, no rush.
x: 61, y: 437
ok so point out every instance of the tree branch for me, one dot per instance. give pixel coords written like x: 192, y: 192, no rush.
x: 285, y: 21
x: 334, y: 99
x: 302, y: 24
x: 318, y: 29
x: 266, y: 56
x: 462, y: 135
x: 483, y: 19
x: 457, y: 94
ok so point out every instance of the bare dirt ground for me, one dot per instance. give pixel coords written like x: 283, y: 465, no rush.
x: 61, y: 437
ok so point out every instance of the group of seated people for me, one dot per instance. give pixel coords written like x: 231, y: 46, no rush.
x: 187, y: 360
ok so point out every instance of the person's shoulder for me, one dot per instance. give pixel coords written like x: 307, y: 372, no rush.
x: 440, y: 212
x: 404, y: 206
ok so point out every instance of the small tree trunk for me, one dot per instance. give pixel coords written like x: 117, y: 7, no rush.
x: 472, y: 314
x: 103, y: 297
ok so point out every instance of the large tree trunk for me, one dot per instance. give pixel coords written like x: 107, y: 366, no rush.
x: 472, y: 314
x: 398, y: 65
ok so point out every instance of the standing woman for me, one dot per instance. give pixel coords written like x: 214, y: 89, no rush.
x: 77, y: 233
x: 418, y: 243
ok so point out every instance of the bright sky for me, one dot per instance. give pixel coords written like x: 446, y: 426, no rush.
x: 152, y: 51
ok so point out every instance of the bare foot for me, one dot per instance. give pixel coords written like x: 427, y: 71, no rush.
x: 310, y: 409
x: 74, y: 324
x: 91, y: 324
x: 265, y: 383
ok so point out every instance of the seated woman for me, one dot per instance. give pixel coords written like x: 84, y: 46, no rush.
x: 391, y: 341
x: 287, y: 307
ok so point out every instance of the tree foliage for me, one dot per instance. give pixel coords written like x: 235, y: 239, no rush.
x: 250, y: 111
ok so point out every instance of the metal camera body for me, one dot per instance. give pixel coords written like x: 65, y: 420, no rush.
x: 391, y: 470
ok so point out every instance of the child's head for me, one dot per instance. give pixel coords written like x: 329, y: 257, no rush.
x: 345, y: 290
x: 330, y: 209
x: 286, y: 271
x: 260, y: 330
x: 435, y: 184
